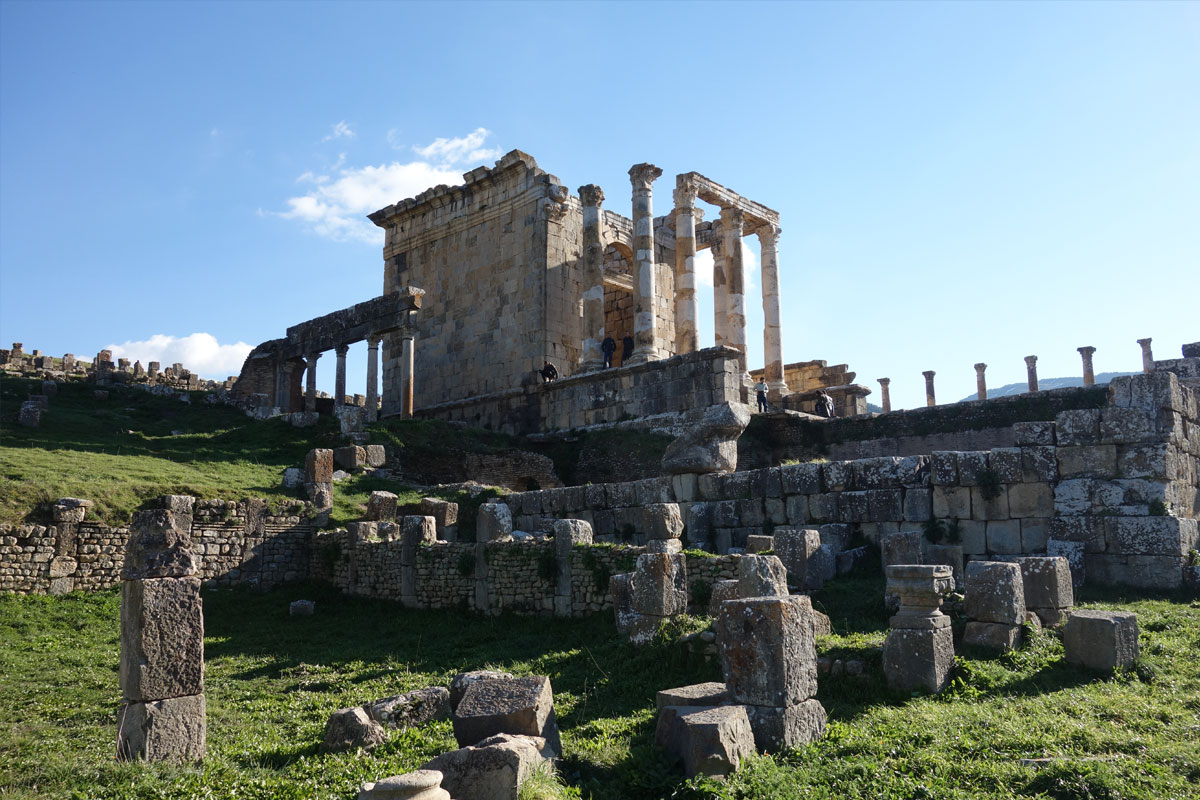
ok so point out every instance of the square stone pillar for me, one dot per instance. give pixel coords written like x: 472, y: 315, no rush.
x: 592, y: 197
x: 645, y: 289
x: 732, y: 220
x: 686, y: 307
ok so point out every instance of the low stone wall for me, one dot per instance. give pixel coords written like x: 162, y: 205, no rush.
x: 682, y: 383
x: 240, y: 543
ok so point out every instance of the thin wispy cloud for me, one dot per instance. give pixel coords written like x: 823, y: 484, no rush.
x: 340, y: 197
x: 199, y: 352
x: 340, y: 131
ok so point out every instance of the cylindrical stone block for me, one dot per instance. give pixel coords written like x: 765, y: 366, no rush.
x: 373, y: 377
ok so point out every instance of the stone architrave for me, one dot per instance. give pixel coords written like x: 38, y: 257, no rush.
x: 919, y: 650
x: 645, y: 288
x: 522, y: 706
x: 710, y: 445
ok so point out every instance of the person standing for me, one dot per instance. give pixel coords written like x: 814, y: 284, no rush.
x: 626, y: 349
x: 760, y: 389
x: 608, y: 347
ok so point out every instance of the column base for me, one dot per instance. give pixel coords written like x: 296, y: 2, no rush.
x: 641, y: 356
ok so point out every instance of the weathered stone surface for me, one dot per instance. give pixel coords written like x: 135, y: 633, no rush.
x: 293, y: 478
x: 995, y: 592
x: 761, y: 576
x: 663, y: 521
x: 445, y: 513
x: 494, y: 769
x: 352, y: 728
x: 668, y: 546
x: 62, y: 566
x: 918, y: 659
x: 423, y: 784
x: 779, y: 728
x: 493, y: 522
x: 508, y: 705
x: 162, y: 639
x: 302, y: 608
x: 159, y: 547
x: 463, y: 680
x: 411, y: 708
x: 70, y: 509
x: 381, y: 506
x: 173, y: 729
x: 660, y: 584
x: 698, y: 694
x: 768, y: 651
x: 759, y: 543
x: 1047, y: 581
x: 708, y: 740
x: 992, y: 635
x: 571, y: 532
x: 721, y: 591
x: 350, y: 457
x: 318, y: 466
x: 795, y: 547
x: 1101, y: 640
x: 903, y: 547
x: 822, y: 625
x: 711, y: 444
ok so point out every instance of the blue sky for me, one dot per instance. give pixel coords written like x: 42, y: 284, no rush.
x: 958, y: 182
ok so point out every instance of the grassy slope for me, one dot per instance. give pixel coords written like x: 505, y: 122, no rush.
x: 272, y: 681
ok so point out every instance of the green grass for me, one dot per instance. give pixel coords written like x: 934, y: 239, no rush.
x: 272, y: 681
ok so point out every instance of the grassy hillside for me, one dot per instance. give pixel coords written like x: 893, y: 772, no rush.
x: 272, y: 681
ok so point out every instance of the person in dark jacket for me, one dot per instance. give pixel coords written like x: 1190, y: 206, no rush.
x: 549, y: 373
x: 626, y: 348
x: 608, y: 347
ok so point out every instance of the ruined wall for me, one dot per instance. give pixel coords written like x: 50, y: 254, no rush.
x: 239, y: 543
x: 682, y: 383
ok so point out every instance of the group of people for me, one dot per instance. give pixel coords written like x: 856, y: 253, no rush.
x: 608, y: 347
x: 824, y: 400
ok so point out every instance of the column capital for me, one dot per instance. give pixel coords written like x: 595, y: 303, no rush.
x: 980, y: 367
x: 732, y: 220
x: 685, y: 194
x: 591, y: 195
x: 341, y: 350
x: 1086, y: 352
x: 768, y: 235
x: 1030, y: 360
x: 928, y: 374
x: 642, y: 176
x: 1145, y: 342
x: 883, y: 381
x: 374, y: 339
x: 312, y: 357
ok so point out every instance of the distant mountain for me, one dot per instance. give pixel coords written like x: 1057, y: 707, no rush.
x: 1046, y: 383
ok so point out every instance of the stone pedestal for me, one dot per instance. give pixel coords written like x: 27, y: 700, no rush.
x: 919, y: 650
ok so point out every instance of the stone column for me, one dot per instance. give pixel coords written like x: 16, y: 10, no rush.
x: 980, y: 381
x: 310, y: 383
x: 373, y: 377
x: 720, y: 289
x: 732, y: 220
x: 283, y: 384
x: 406, y: 373
x: 339, y: 379
x: 1147, y: 356
x: 645, y: 291
x: 886, y: 399
x: 1089, y: 374
x: 768, y: 239
x: 919, y: 650
x: 930, y: 400
x: 593, y: 279
x: 686, y: 308
x: 1031, y: 372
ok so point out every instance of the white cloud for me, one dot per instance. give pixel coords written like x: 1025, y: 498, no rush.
x: 336, y: 205
x: 339, y: 131
x: 459, y: 150
x: 704, y: 267
x: 200, y: 353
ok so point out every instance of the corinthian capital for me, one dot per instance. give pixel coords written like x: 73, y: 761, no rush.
x: 685, y: 192
x: 768, y: 236
x: 642, y: 176
x: 733, y: 219
x: 591, y: 195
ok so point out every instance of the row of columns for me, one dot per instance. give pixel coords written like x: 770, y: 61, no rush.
x: 1089, y: 375
x: 729, y: 278
x: 284, y: 381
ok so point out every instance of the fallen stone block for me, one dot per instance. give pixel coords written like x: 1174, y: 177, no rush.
x: 795, y: 547
x: 318, y: 466
x: 71, y: 509
x: 302, y: 608
x: 992, y: 635
x: 708, y: 740
x: 162, y: 639
x: 1101, y: 640
x: 493, y: 769
x: 768, y: 652
x: 1048, y: 588
x: 778, y: 728
x: 443, y: 512
x: 463, y: 680
x: 411, y: 709
x: 698, y: 694
x: 663, y: 521
x: 709, y: 445
x: 381, y: 507
x: 493, y: 522
x: 522, y: 706
x: 174, y: 729
x: 761, y: 576
x: 159, y: 546
x: 757, y: 543
x: 822, y: 625
x: 660, y: 585
x: 352, y: 728
x: 351, y: 457
x: 376, y: 455
x: 422, y: 784
x: 995, y: 592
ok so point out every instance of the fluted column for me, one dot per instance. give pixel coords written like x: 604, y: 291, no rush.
x: 592, y: 196
x: 768, y: 240
x: 310, y: 383
x: 930, y: 399
x: 1089, y: 374
x: 339, y: 378
x: 980, y: 381
x: 1031, y: 372
x: 373, y: 377
x: 720, y: 288
x: 885, y: 394
x: 406, y: 373
x: 686, y: 308
x: 732, y: 220
x: 645, y: 290
x: 1147, y: 355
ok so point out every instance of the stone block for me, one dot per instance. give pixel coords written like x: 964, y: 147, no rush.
x: 162, y: 639
x: 301, y: 608
x: 796, y: 509
x: 759, y: 543
x: 62, y: 566
x: 768, y: 651
x: 761, y: 576
x: 1033, y: 433
x: 659, y: 584
x: 159, y: 546
x: 351, y: 457
x: 1073, y: 552
x: 1101, y: 640
x: 172, y: 729
x: 779, y: 728
x: 884, y: 505
x: 710, y: 741
x: 995, y: 592
x: 1077, y: 427
x: 494, y: 769
x: 972, y: 466
x: 698, y: 694
x: 992, y: 635
x: 318, y: 466
x: 1005, y: 462
x: 522, y: 706
x: 1126, y: 426
x: 1047, y: 581
x: 570, y: 532
x: 951, y: 502
x: 837, y: 535
x: 422, y: 784
x: 70, y: 509
x: 800, y: 479
x: 1030, y: 500
x: 822, y: 566
x: 795, y: 547
x: 1039, y: 464
x: 918, y: 505
x: 376, y: 456
x: 918, y: 659
x: 901, y: 548
x: 444, y: 513
x: 1034, y: 533
x: 668, y: 546
x: 1090, y: 531
x: 721, y: 592
x: 663, y: 521
x: 381, y: 506
x: 493, y: 522
x: 1004, y: 537
x: 989, y: 504
x: 943, y: 468
x: 950, y: 555
x: 1148, y: 535
x: 824, y: 507
x: 463, y: 680
x: 411, y: 709
x: 1096, y: 461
